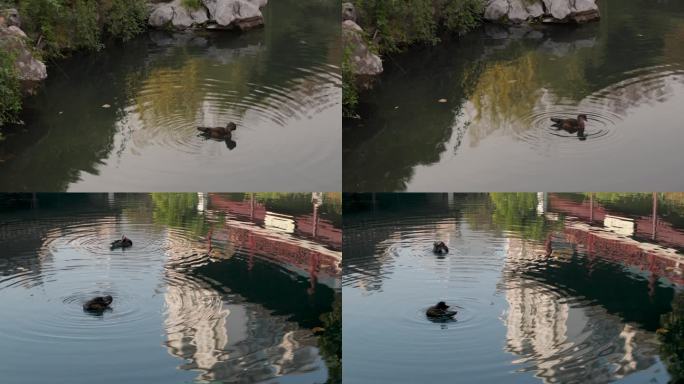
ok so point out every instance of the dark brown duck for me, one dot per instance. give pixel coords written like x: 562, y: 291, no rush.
x: 571, y: 125
x: 440, y: 248
x: 124, y: 242
x: 440, y: 311
x: 220, y: 134
x: 98, y: 304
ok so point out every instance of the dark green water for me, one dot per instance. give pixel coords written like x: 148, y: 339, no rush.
x: 214, y: 289
x: 281, y: 85
x: 544, y: 293
x: 625, y: 72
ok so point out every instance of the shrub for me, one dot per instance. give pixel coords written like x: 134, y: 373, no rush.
x: 10, y: 94
x: 126, y: 18
x: 59, y: 25
x: 399, y: 23
x: 350, y: 96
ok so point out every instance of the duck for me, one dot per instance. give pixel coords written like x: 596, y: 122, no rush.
x: 440, y: 248
x: 98, y: 304
x: 571, y: 125
x: 124, y: 242
x: 440, y: 311
x: 218, y: 132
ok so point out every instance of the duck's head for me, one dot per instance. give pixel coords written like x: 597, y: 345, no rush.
x: 231, y: 126
x: 442, y: 305
x: 108, y: 299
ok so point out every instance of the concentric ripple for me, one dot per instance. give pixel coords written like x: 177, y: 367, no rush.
x: 523, y: 316
x: 172, y: 319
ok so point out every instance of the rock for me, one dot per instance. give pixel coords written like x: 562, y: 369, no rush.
x: 181, y: 16
x: 364, y: 62
x: 199, y: 16
x: 162, y: 16
x: 10, y: 17
x: 517, y: 12
x: 28, y: 68
x: 225, y: 14
x: 496, y: 10
x: 585, y: 11
x: 548, y: 11
x: 558, y: 9
x: 241, y: 14
x: 535, y: 9
x: 348, y: 12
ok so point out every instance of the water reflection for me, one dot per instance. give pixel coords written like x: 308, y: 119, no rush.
x: 549, y: 295
x: 280, y: 85
x: 503, y: 87
x: 234, y: 299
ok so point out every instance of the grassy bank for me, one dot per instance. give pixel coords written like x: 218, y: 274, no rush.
x: 56, y: 27
x: 395, y: 25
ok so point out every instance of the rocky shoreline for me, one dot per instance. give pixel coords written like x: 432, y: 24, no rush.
x: 544, y: 11
x: 27, y: 66
x: 239, y: 15
x: 365, y: 62
x: 209, y: 14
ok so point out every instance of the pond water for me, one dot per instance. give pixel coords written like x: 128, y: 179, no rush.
x: 216, y: 288
x: 502, y: 86
x: 281, y: 85
x: 547, y: 289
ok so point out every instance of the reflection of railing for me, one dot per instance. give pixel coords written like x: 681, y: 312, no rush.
x: 611, y: 241
x: 311, y: 225
x: 301, y: 255
x: 647, y: 227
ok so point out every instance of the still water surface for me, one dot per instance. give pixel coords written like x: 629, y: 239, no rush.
x: 547, y: 290
x: 626, y: 73
x: 280, y: 85
x: 216, y: 288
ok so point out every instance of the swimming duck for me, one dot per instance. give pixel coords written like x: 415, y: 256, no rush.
x: 571, y: 125
x: 440, y: 311
x: 440, y: 248
x: 218, y: 132
x: 124, y: 242
x: 98, y: 304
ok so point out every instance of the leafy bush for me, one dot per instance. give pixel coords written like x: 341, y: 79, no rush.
x: 396, y: 24
x: 399, y: 23
x: 59, y: 25
x: 350, y: 96
x: 126, y: 18
x: 10, y: 94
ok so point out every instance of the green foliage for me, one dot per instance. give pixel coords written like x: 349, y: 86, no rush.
x: 192, y: 4
x: 10, y: 94
x: 126, y: 18
x: 350, y: 95
x: 330, y: 342
x: 463, y: 15
x: 517, y: 212
x: 59, y: 25
x: 178, y: 210
x: 399, y: 23
x: 672, y: 339
x: 396, y: 24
